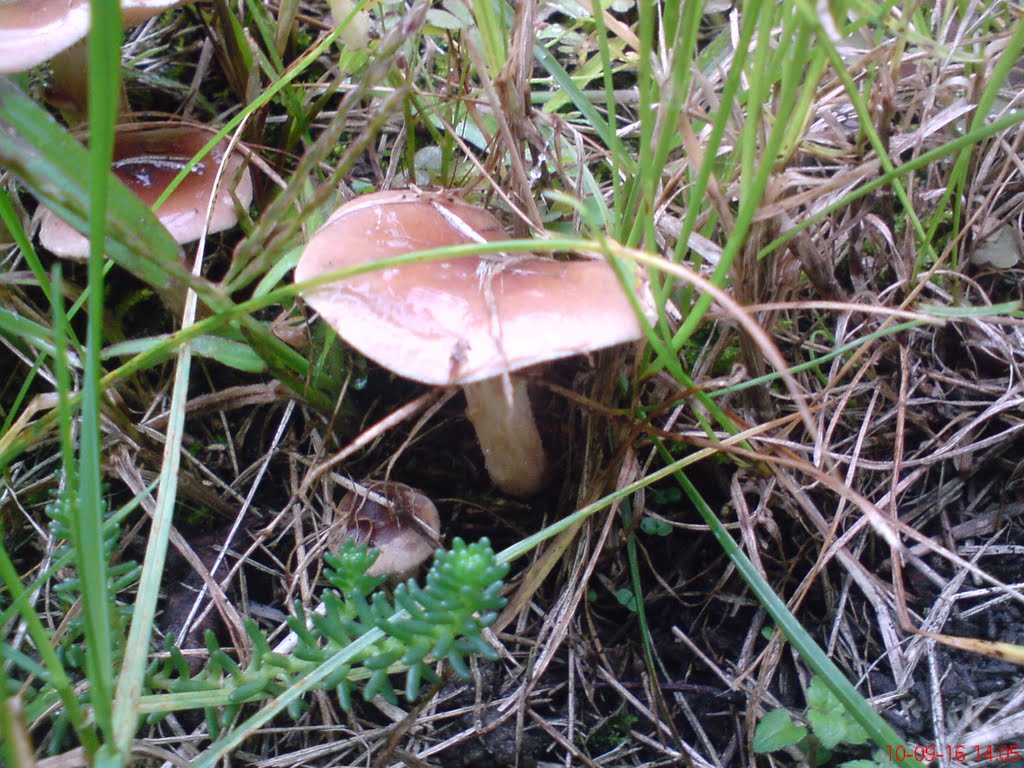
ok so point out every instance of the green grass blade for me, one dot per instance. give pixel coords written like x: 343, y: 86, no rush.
x: 57, y: 677
x: 11, y: 221
x: 87, y: 517
x: 49, y: 161
x: 604, y: 129
x: 234, y: 738
x: 15, y: 327
x: 1007, y: 60
x: 719, y: 123
x: 607, y: 73
x: 880, y: 732
x: 754, y: 174
x: 65, y: 419
x: 274, y: 67
x: 129, y: 687
x: 921, y: 161
x: 489, y: 16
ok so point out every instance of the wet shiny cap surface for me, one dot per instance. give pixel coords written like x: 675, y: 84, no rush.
x: 458, y: 320
x: 146, y: 161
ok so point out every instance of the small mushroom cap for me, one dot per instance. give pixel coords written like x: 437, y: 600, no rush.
x: 32, y: 31
x: 399, y: 534
x: 146, y: 161
x: 460, y: 320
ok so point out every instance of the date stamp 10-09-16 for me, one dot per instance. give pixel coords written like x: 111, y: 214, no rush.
x: 960, y: 753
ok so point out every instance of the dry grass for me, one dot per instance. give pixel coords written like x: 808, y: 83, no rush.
x: 879, y: 492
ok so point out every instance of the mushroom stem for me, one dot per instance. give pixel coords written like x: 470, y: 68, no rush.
x: 70, y: 89
x: 513, y: 452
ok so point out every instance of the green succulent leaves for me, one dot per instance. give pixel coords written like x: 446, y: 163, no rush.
x: 442, y: 620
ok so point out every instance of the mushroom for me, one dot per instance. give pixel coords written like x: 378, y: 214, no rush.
x: 146, y: 160
x: 468, y: 321
x: 32, y: 31
x: 398, y: 521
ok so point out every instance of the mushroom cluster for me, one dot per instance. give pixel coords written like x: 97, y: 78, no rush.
x: 146, y: 158
x: 469, y: 321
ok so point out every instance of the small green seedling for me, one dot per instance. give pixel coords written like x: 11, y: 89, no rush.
x: 626, y: 598
x: 652, y: 526
x: 828, y: 725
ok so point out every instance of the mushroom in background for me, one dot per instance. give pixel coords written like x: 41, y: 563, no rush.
x: 356, y: 35
x: 398, y: 521
x: 32, y: 31
x: 146, y: 160
x: 470, y: 321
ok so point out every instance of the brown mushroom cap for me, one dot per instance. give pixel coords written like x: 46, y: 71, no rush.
x: 432, y: 321
x: 467, y: 321
x: 146, y: 160
x: 32, y: 31
x: 399, y: 533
